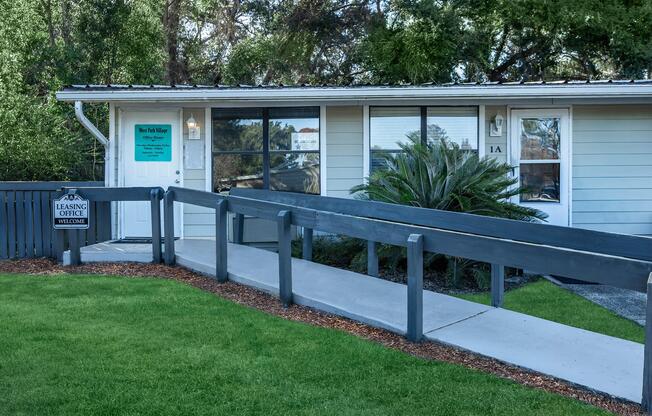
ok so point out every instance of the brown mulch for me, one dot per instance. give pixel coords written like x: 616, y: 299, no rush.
x: 256, y: 299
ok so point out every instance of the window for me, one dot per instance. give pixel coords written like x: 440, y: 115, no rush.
x: 540, y: 159
x: 389, y: 126
x: 455, y: 124
x: 237, y: 148
x: 275, y: 148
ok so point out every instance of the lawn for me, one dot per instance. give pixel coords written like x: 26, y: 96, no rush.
x: 97, y: 345
x: 548, y: 301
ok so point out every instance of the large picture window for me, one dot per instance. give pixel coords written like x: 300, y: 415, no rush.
x: 266, y: 148
x: 389, y: 126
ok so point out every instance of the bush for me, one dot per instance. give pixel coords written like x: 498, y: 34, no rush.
x: 343, y: 252
x: 440, y: 175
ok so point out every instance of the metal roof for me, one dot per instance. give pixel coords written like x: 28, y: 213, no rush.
x: 362, y: 85
x: 329, y: 92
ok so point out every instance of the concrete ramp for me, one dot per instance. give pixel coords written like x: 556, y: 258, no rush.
x: 602, y: 363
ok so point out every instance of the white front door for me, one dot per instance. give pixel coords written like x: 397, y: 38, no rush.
x: 540, y: 154
x: 150, y: 157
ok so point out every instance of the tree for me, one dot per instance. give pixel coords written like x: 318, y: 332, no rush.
x: 45, y: 44
x: 313, y: 41
x: 504, y: 40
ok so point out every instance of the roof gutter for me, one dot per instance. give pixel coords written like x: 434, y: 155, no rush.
x: 88, y: 125
x: 359, y: 93
x: 95, y: 132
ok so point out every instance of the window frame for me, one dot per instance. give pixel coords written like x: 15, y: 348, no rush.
x: 266, y: 152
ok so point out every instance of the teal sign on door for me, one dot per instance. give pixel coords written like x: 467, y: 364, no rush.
x: 153, y: 142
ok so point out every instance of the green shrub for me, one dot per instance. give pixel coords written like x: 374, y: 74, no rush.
x: 440, y: 175
x: 343, y: 252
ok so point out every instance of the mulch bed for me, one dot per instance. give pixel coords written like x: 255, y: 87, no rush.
x: 256, y: 299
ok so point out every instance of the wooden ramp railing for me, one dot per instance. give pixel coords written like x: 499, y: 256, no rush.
x: 618, y: 260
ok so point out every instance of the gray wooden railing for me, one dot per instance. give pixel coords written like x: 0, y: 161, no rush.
x: 629, y: 246
x: 26, y: 220
x: 599, y: 258
x: 106, y: 195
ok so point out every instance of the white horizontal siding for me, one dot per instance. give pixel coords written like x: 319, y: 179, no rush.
x: 197, y: 221
x: 612, y: 183
x: 344, y: 150
x: 609, y: 148
x: 612, y: 168
x: 628, y: 228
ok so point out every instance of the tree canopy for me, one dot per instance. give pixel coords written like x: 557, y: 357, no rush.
x: 45, y: 44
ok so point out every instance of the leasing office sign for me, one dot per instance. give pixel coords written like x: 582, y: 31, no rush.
x: 70, y: 212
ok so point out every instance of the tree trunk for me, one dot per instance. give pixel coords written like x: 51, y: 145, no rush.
x: 47, y: 9
x: 66, y: 22
x: 171, y: 18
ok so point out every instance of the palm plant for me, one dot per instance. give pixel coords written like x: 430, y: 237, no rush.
x: 440, y: 175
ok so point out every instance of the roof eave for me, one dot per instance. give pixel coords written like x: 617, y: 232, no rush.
x: 358, y: 93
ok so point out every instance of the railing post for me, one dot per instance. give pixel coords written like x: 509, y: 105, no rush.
x: 75, y: 250
x: 372, y: 259
x: 646, y: 403
x: 221, y: 245
x: 168, y: 223
x: 307, y: 244
x: 155, y: 202
x: 497, y: 285
x: 415, y: 288
x: 238, y: 229
x: 284, y: 257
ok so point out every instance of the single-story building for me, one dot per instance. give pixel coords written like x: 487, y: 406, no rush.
x: 584, y: 149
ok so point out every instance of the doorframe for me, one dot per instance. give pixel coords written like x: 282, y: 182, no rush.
x: 121, y: 133
x: 568, y: 159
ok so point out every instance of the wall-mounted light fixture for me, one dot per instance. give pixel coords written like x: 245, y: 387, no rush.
x: 496, y: 128
x: 191, y: 122
x: 194, y: 132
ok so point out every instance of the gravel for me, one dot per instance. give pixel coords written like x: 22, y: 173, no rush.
x: 256, y: 299
x: 626, y: 303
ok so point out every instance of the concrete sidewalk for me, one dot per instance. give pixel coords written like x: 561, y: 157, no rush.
x: 599, y: 362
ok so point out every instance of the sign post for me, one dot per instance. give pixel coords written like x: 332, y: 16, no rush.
x: 70, y: 212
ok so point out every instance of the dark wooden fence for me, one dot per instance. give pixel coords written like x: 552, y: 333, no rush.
x: 26, y: 220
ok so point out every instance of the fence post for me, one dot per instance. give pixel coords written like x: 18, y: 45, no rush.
x: 168, y: 223
x: 221, y: 271
x: 284, y: 257
x: 155, y: 202
x: 75, y: 250
x: 497, y: 285
x: 307, y: 244
x: 646, y: 403
x: 415, y: 288
x: 238, y: 229
x: 59, y: 244
x: 372, y: 259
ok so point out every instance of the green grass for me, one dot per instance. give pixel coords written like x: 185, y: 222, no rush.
x: 110, y: 345
x: 547, y: 301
